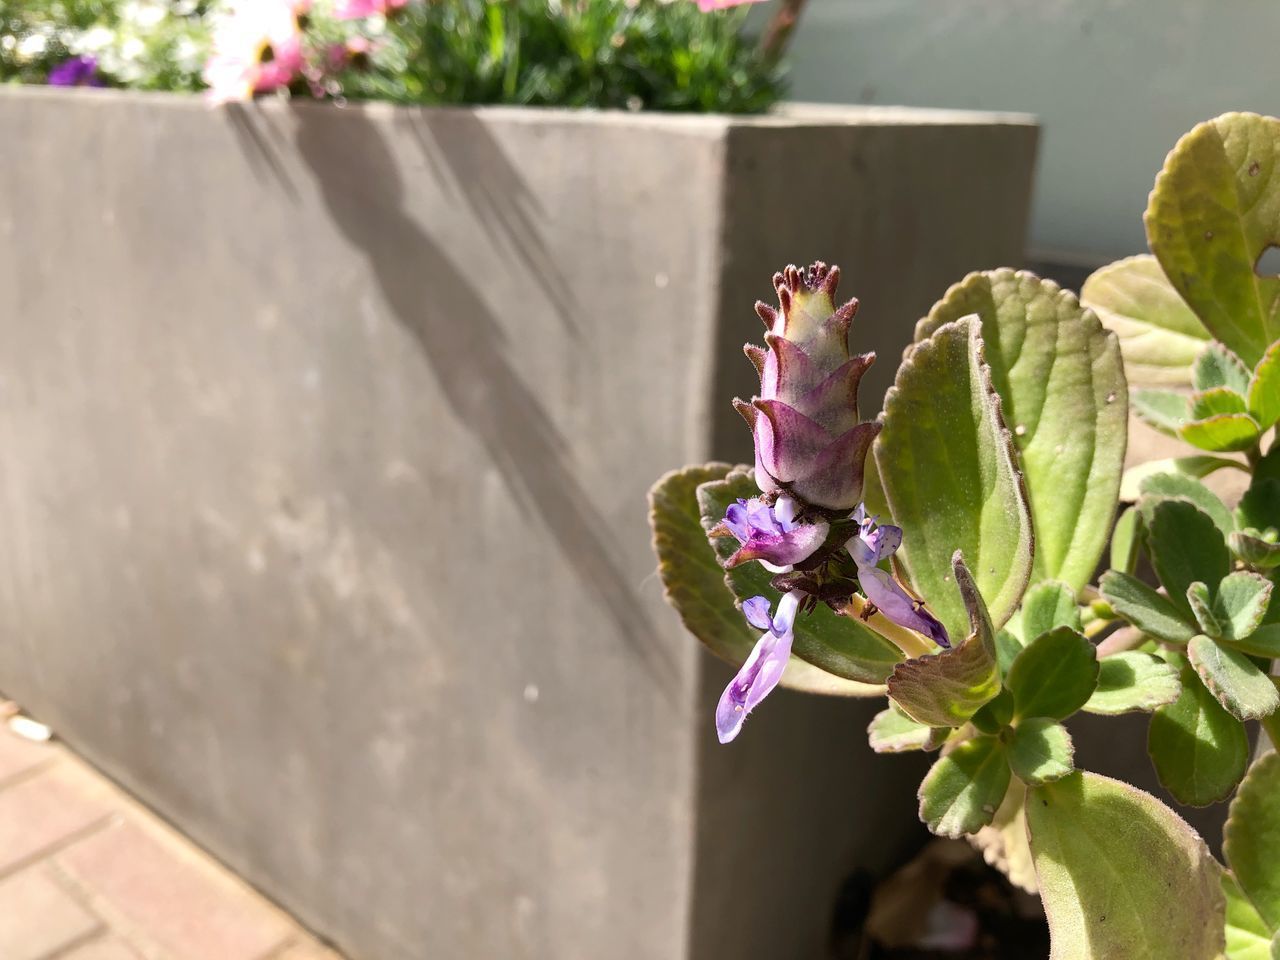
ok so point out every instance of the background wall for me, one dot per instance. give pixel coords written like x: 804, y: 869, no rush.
x: 1115, y: 83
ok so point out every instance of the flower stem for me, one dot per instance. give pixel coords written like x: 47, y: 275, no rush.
x: 908, y: 641
x: 777, y: 36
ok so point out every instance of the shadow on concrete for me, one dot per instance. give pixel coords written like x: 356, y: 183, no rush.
x: 248, y: 122
x: 471, y: 164
x: 438, y: 302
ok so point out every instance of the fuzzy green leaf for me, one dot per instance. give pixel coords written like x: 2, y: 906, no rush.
x: 1217, y: 367
x: 962, y: 791
x: 1147, y: 610
x: 1200, y: 465
x: 1122, y: 876
x: 1264, y: 388
x: 1200, y: 751
x: 1047, y: 605
x: 1239, y: 684
x: 1240, y: 603
x: 1251, y: 843
x: 1255, y: 551
x: 840, y: 645
x: 1060, y: 376
x: 1132, y: 681
x: 892, y: 731
x: 947, y: 688
x: 695, y: 584
x: 1247, y: 935
x: 1126, y: 541
x: 1186, y: 546
x: 1040, y: 751
x: 1160, y: 336
x: 1180, y: 486
x: 1222, y: 433
x: 948, y: 468
x: 1213, y: 213
x: 1201, y: 601
x: 1211, y: 403
x: 1054, y: 675
x: 1164, y: 410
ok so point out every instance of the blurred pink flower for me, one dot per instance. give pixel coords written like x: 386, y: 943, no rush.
x: 708, y: 5
x: 358, y: 9
x: 257, y: 47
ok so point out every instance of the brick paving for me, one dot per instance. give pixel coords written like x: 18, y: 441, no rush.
x: 87, y: 873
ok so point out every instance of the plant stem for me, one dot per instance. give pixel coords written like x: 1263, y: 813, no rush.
x: 908, y: 641
x: 777, y: 36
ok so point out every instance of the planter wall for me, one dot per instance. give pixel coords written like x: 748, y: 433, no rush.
x: 326, y: 437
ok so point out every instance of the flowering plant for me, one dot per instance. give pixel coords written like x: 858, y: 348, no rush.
x: 623, y: 54
x: 942, y: 555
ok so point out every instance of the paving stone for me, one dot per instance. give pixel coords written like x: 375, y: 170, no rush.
x: 49, y: 809
x: 38, y: 916
x: 174, y: 896
x: 18, y: 754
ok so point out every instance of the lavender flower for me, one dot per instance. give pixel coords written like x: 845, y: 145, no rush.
x: 76, y: 72
x: 763, y: 669
x: 873, y: 544
x: 808, y: 438
x: 771, y: 534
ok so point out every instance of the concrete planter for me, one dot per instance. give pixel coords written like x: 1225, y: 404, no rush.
x: 326, y: 437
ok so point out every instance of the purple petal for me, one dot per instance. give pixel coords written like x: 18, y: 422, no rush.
x: 760, y: 674
x: 785, y: 510
x: 884, y: 541
x: 760, y: 517
x: 756, y: 610
x: 833, y: 479
x: 735, y: 518
x: 794, y: 443
x: 896, y: 604
x: 782, y: 549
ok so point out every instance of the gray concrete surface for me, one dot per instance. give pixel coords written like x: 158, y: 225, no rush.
x: 326, y: 437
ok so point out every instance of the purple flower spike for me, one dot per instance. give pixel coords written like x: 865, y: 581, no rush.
x: 873, y: 544
x: 808, y: 436
x: 771, y: 534
x: 763, y: 669
x: 76, y: 72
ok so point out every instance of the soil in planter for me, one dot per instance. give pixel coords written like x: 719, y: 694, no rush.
x: 946, y: 904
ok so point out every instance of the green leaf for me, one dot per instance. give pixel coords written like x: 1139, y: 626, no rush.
x: 1147, y: 610
x: 1251, y: 838
x: 1164, y: 410
x: 1255, y: 551
x: 1240, y: 686
x: 892, y: 731
x: 1159, y: 334
x: 1008, y: 646
x: 947, y: 688
x: 1259, y: 508
x: 1222, y: 433
x: 1061, y: 378
x: 947, y: 465
x: 1122, y: 876
x: 1179, y: 486
x: 1218, y: 367
x: 1210, y: 403
x: 1202, y: 606
x: 1214, y: 211
x: 840, y: 645
x: 1263, y: 642
x: 1054, y: 675
x: 1131, y: 681
x: 1241, y: 603
x: 962, y: 791
x: 1126, y: 541
x: 1004, y: 843
x: 1264, y: 388
x: 1186, y: 546
x: 695, y: 585
x: 1047, y: 605
x: 1040, y: 751
x: 1200, y: 465
x: 1199, y: 750
x: 1247, y: 936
